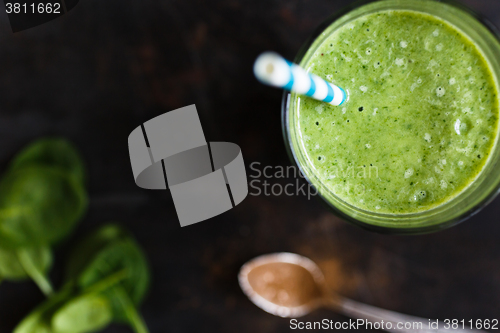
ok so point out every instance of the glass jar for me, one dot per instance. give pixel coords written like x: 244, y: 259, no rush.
x: 468, y: 202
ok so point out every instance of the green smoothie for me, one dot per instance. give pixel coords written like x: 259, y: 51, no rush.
x: 421, y: 119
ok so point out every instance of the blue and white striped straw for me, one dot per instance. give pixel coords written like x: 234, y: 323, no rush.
x: 272, y: 69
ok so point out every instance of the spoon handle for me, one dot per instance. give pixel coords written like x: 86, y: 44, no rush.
x: 392, y: 321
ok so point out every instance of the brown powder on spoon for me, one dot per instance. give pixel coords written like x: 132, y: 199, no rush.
x: 284, y: 284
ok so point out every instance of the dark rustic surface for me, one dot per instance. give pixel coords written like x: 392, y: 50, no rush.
x: 109, y: 65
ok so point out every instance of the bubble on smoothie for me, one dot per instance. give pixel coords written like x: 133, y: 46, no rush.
x: 419, y: 195
x: 426, y: 45
x: 317, y: 146
x: 439, y: 47
x: 319, y: 108
x: 466, y: 110
x: 464, y: 126
x: 460, y: 163
x: 440, y: 92
x: 469, y: 68
x: 427, y: 137
x: 443, y: 161
x: 467, y: 97
x: 368, y: 145
x: 363, y: 88
x: 368, y: 51
x: 399, y: 61
x: 458, y: 123
x: 344, y: 110
x: 452, y: 81
x: 443, y: 184
x: 403, y: 44
x: 408, y: 173
x: 432, y: 63
x: 375, y: 111
x: 321, y: 158
x: 329, y: 77
x: 429, y: 180
x: 376, y: 64
x: 419, y: 80
x: 437, y: 169
x: 377, y: 207
x: 435, y: 33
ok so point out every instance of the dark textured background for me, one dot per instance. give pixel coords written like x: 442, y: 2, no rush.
x: 96, y: 73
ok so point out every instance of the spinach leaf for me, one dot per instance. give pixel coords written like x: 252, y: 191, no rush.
x: 52, y: 152
x: 108, y: 251
x: 59, y: 313
x: 85, y: 313
x: 38, y: 205
x: 42, y: 197
x: 107, y: 277
x: 39, y: 320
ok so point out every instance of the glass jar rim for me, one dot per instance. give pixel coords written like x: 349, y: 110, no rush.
x: 412, y: 229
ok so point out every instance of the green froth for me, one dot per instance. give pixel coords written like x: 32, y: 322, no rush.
x: 421, y: 119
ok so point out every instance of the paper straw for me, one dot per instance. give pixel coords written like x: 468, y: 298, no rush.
x: 272, y: 69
